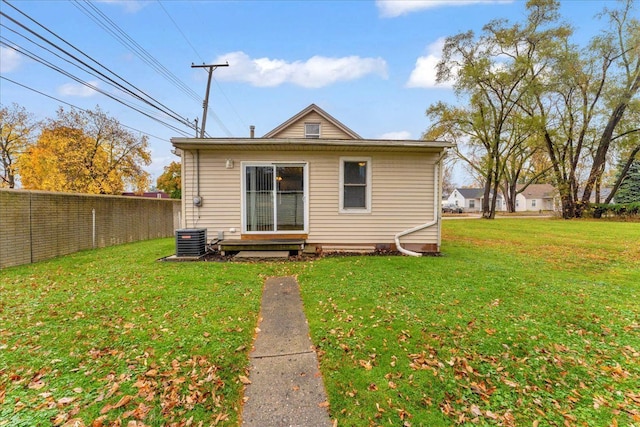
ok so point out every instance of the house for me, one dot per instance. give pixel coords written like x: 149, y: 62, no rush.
x: 314, y: 180
x: 470, y: 199
x: 149, y: 194
x: 536, y: 197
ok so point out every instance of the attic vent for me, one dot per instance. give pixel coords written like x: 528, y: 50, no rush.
x: 191, y: 242
x: 312, y: 130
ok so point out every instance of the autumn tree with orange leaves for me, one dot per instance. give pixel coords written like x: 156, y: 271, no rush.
x: 171, y: 181
x: 86, y: 152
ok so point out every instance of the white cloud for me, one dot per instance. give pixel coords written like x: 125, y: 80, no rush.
x: 10, y: 60
x: 393, y: 8
x: 315, y: 72
x: 82, y: 91
x: 403, y: 134
x: 424, y: 72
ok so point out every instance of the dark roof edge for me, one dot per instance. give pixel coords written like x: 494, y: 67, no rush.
x: 247, y: 142
x: 313, y: 107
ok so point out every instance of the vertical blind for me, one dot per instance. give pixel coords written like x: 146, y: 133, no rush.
x: 259, y: 194
x: 274, y: 198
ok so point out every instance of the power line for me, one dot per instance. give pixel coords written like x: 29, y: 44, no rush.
x: 87, y: 84
x: 180, y: 30
x: 128, y: 42
x: 75, y: 106
x: 211, y: 113
x: 50, y: 65
x: 107, y: 24
x: 131, y: 90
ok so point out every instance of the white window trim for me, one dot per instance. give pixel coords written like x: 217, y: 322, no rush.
x: 306, y: 135
x: 243, y: 220
x: 341, y: 208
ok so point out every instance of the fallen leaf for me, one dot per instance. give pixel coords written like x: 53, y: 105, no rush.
x: 36, y: 385
x: 106, y: 408
x: 123, y: 401
x: 75, y: 422
x: 59, y: 419
x: 99, y: 422
x: 66, y: 400
x: 244, y: 380
x: 475, y: 411
x: 324, y: 404
x: 365, y: 364
x: 491, y: 415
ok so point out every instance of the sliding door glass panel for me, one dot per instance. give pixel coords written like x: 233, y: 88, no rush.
x: 259, y: 196
x: 290, y: 198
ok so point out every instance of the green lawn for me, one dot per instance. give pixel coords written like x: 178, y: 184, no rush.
x: 521, y: 322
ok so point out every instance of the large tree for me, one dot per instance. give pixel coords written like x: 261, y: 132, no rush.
x: 492, y: 74
x: 86, y: 152
x: 619, y: 48
x: 17, y: 127
x: 580, y: 102
x: 171, y: 181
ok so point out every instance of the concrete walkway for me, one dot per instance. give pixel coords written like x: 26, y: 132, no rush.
x: 286, y: 387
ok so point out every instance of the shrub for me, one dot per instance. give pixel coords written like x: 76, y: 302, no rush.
x: 599, y: 210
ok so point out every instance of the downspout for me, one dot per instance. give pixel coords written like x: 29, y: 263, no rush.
x: 436, y: 210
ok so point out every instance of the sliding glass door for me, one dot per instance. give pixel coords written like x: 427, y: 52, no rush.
x: 274, y: 197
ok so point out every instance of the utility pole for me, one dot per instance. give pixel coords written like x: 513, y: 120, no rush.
x: 205, y: 104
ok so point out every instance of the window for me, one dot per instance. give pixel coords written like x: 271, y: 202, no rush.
x: 533, y: 203
x: 312, y: 130
x: 472, y: 204
x: 355, y: 185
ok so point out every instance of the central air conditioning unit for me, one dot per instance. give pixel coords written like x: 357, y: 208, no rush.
x: 191, y: 242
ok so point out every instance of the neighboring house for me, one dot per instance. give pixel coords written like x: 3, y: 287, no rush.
x: 536, y: 197
x: 148, y: 194
x: 314, y: 179
x: 470, y: 199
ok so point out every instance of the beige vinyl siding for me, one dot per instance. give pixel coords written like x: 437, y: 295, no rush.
x: 400, y: 200
x: 220, y: 192
x: 327, y: 129
x: 402, y: 195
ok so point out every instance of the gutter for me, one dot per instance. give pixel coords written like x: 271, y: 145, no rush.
x: 436, y: 211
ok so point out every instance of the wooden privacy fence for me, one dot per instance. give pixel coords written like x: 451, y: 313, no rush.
x: 36, y: 226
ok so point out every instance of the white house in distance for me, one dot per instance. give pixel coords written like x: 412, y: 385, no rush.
x: 314, y: 181
x: 536, y: 197
x: 470, y: 199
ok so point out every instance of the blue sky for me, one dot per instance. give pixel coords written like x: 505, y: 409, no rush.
x: 370, y: 64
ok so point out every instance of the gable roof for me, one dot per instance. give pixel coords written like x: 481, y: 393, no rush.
x: 538, y: 191
x: 313, y: 108
x: 473, y: 193
x: 470, y: 193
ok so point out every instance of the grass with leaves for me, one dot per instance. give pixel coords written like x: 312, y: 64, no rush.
x: 111, y: 336
x: 521, y: 322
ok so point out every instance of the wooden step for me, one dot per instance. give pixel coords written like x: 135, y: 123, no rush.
x: 261, y: 245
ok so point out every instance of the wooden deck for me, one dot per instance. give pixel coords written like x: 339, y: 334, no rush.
x: 261, y: 245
